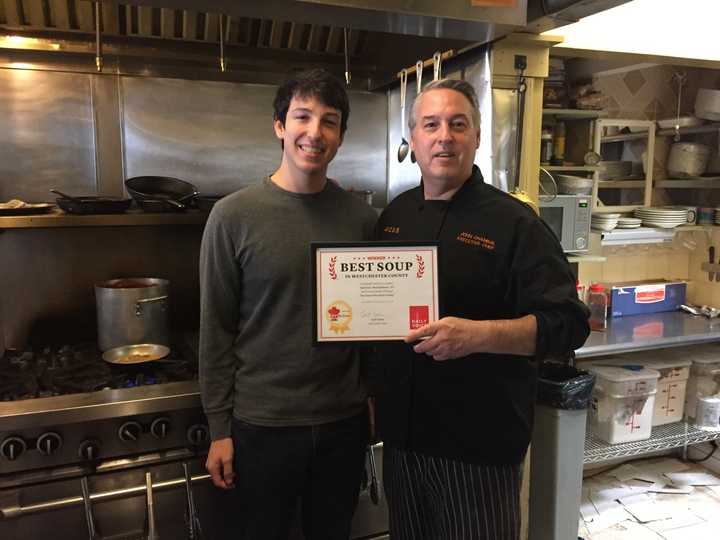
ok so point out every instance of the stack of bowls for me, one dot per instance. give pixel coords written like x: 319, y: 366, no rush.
x: 604, y: 222
x: 573, y: 185
x: 614, y: 170
x: 629, y: 223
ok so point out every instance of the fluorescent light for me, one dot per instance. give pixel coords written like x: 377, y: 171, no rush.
x: 655, y: 27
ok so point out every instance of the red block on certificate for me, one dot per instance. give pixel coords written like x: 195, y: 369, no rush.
x: 419, y: 316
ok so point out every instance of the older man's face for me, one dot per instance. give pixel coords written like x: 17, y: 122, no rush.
x: 444, y: 138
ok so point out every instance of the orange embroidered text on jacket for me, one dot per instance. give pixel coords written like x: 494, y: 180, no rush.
x: 476, y: 240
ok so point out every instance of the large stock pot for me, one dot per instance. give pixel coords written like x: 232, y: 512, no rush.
x: 132, y: 311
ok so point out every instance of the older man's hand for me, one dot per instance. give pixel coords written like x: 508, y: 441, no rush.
x: 450, y: 337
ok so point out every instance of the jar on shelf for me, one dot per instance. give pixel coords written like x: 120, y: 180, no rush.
x: 597, y: 301
x: 558, y: 143
x: 546, y: 146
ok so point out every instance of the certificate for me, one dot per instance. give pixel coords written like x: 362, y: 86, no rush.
x: 373, y: 291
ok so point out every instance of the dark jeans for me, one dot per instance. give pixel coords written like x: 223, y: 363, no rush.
x: 320, y: 467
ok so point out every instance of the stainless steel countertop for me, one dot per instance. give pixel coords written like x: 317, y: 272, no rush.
x: 651, y: 331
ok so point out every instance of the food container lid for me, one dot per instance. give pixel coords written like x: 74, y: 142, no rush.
x: 620, y: 374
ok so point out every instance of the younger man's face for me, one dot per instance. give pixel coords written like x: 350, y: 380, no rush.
x: 311, y: 134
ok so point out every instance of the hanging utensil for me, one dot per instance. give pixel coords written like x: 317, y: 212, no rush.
x: 374, y: 488
x: 437, y: 66
x: 418, y: 71
x: 152, y: 533
x: 347, y: 62
x: 194, y: 528
x: 89, y: 518
x: 98, y: 40
x: 222, y: 43
x: 404, y: 146
x: 680, y: 77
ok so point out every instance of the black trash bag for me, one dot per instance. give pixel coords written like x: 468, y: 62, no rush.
x: 564, y: 387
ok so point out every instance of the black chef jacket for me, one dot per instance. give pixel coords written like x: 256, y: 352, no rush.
x: 497, y: 260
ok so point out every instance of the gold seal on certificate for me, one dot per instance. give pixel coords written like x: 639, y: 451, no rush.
x: 373, y: 291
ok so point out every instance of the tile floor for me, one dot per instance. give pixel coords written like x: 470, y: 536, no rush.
x: 623, y: 509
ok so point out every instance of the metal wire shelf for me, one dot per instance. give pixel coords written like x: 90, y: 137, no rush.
x: 665, y: 437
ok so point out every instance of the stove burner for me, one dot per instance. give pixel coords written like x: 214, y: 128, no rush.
x: 81, y: 369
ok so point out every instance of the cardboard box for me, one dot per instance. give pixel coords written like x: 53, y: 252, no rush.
x: 651, y: 296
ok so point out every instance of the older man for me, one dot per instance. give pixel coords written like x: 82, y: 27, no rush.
x: 455, y: 402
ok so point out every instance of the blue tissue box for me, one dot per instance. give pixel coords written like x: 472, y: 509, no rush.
x: 652, y: 296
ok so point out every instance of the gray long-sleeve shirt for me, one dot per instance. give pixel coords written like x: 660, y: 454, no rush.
x: 257, y: 361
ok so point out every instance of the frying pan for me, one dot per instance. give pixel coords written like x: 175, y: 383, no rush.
x: 135, y: 354
x: 92, y: 205
x: 174, y: 193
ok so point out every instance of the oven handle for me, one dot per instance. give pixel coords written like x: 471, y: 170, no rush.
x: 19, y: 511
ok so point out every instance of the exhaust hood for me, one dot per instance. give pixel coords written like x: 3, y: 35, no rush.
x: 264, y: 39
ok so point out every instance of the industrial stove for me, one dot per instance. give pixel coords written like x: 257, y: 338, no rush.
x: 94, y: 450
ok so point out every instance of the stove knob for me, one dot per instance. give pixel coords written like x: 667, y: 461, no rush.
x: 197, y: 434
x: 160, y: 427
x: 12, y: 448
x: 89, y: 450
x: 49, y: 443
x: 130, y: 431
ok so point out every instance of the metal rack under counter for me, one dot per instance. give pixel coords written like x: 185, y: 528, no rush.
x: 667, y: 437
x: 650, y: 331
x: 130, y: 219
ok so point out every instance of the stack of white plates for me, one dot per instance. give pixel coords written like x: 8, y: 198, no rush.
x: 665, y: 217
x: 604, y: 222
x: 629, y: 223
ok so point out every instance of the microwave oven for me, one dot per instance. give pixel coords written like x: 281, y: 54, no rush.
x: 568, y: 216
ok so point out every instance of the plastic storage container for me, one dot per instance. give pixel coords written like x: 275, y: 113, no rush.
x: 674, y: 372
x: 671, y: 387
x: 623, y: 403
x: 704, y: 376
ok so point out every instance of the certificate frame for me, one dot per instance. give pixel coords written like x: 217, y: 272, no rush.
x: 356, y: 285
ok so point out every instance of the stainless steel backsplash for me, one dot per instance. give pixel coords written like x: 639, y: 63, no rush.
x: 217, y: 135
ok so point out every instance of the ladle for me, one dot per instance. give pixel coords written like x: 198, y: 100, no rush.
x: 404, y: 146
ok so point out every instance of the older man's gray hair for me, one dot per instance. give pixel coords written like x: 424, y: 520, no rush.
x: 465, y: 88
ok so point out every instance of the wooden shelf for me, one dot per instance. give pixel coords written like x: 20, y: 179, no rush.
x: 570, y: 168
x: 574, y: 113
x: 581, y: 258
x: 624, y: 137
x: 705, y: 182
x: 621, y: 184
x: 707, y: 128
x: 128, y: 219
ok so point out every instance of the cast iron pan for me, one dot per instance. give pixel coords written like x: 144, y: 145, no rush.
x: 94, y: 205
x: 173, y: 192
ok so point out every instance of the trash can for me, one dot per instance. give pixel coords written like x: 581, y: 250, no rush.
x: 558, y: 447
